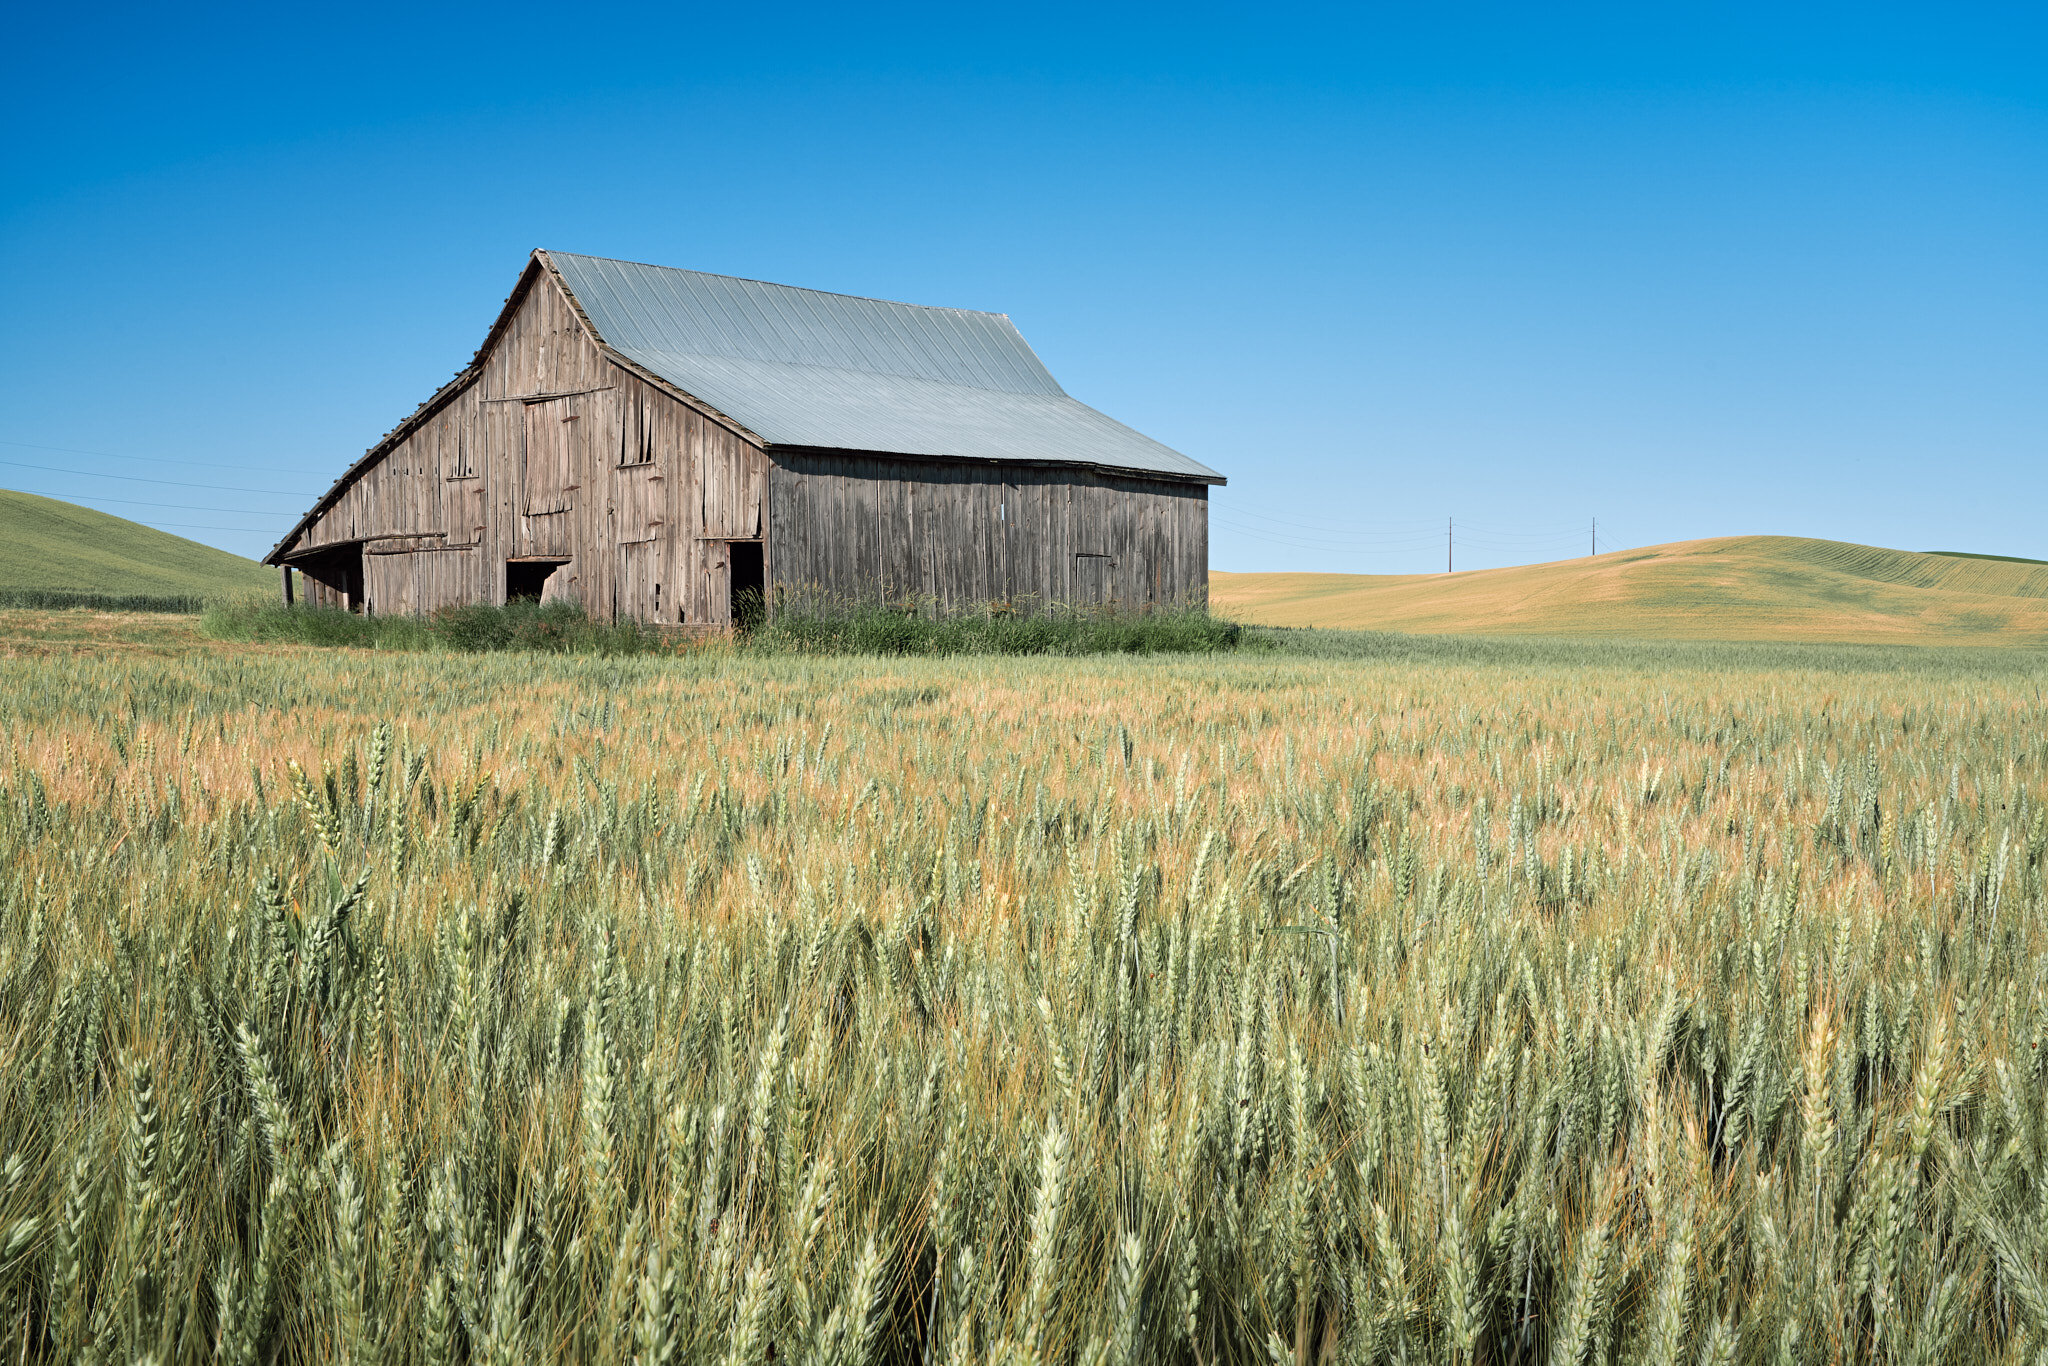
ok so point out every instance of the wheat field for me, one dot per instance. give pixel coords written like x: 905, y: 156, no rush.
x: 433, y: 1008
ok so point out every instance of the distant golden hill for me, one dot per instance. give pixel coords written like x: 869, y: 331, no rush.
x: 1727, y: 588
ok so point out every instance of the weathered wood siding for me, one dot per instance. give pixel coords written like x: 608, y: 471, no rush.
x: 606, y: 461
x: 851, y: 524
x: 553, y: 452
x: 413, y: 581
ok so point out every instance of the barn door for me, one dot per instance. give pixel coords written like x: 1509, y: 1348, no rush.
x: 1094, y: 578
x: 638, y: 503
x: 636, y: 589
x: 391, y: 583
x: 556, y: 443
x: 464, y: 511
x: 732, y: 481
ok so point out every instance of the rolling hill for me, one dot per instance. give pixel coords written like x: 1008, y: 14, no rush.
x: 1729, y: 588
x: 52, y: 546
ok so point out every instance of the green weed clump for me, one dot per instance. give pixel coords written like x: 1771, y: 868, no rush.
x: 875, y: 627
x: 556, y: 628
x: 303, y: 624
x: 736, y: 1008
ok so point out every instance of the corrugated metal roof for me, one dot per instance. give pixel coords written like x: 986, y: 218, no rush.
x: 800, y: 367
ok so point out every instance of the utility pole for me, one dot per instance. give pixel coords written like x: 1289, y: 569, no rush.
x: 1449, y: 522
x: 1596, y: 535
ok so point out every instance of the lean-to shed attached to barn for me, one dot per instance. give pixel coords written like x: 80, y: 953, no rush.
x: 655, y: 443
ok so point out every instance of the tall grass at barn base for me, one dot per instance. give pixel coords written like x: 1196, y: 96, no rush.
x: 554, y: 628
x: 838, y: 627
x: 874, y: 626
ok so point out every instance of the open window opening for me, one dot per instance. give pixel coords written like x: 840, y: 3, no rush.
x: 526, y: 580
x: 749, y: 585
x: 461, y: 459
x: 636, y: 434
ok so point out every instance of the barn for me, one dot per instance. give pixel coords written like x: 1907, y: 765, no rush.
x: 658, y: 444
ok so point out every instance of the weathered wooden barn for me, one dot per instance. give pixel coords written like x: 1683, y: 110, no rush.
x: 655, y: 443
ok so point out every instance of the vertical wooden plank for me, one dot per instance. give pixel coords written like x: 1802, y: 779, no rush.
x: 638, y: 585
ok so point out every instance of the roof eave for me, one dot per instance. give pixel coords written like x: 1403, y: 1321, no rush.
x: 280, y: 552
x: 438, y: 400
x: 1211, y: 479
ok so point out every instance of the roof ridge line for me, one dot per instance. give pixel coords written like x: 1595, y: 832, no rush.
x: 776, y: 284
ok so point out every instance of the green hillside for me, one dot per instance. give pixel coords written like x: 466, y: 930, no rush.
x: 51, y: 547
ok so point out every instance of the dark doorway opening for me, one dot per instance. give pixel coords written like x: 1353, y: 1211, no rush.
x: 335, y: 577
x: 526, y: 580
x: 749, y: 585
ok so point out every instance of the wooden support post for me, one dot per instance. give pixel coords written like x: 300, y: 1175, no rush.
x: 286, y: 570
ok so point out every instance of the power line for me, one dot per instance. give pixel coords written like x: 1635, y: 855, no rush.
x: 152, y: 503
x: 1319, y: 539
x: 1510, y: 534
x: 1316, y: 534
x: 1412, y: 531
x: 138, y: 479
x: 194, y: 526
x: 1306, y: 543
x: 1308, y: 532
x: 1394, y: 526
x: 1394, y: 544
x: 1400, y: 526
x: 1368, y: 543
x: 163, y: 459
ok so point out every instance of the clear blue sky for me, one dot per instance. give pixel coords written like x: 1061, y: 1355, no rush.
x: 1759, y: 268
